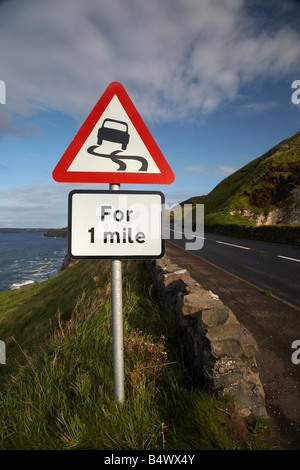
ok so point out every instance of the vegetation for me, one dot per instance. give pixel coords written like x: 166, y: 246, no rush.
x: 21, y: 230
x: 259, y: 187
x: 57, y: 232
x: 56, y: 390
x: 268, y: 292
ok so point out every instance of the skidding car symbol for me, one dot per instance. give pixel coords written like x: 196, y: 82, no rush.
x: 106, y: 132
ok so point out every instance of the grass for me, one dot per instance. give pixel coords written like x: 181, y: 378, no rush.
x: 223, y: 218
x: 259, y: 187
x: 267, y: 292
x: 56, y: 391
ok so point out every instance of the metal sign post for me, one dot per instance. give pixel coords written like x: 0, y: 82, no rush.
x: 117, y: 322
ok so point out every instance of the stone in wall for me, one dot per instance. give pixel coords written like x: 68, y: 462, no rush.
x: 218, y: 350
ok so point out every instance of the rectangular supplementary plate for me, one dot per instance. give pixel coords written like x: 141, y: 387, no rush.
x: 115, y: 224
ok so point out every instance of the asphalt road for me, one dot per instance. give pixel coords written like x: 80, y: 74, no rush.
x: 268, y: 266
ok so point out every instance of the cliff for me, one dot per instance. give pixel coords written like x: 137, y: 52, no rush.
x: 57, y: 232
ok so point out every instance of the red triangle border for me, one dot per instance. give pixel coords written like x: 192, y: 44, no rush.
x: 60, y: 173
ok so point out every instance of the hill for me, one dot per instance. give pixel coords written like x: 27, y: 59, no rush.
x: 266, y: 191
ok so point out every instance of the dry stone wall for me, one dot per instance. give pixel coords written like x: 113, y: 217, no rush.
x: 218, y: 350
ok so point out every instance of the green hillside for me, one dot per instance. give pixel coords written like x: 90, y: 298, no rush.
x: 56, y: 389
x: 269, y: 182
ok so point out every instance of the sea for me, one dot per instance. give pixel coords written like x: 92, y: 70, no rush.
x: 28, y: 258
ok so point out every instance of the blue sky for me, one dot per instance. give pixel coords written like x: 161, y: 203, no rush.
x: 212, y: 79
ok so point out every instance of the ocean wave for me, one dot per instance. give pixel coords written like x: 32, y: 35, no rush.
x: 19, y: 285
x: 29, y: 258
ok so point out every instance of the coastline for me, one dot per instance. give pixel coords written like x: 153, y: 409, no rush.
x: 57, y: 233
x: 29, y: 258
x: 48, y: 232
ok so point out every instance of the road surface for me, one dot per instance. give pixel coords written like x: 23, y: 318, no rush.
x: 269, y: 266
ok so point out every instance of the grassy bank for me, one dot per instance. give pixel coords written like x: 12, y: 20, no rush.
x: 286, y: 234
x: 235, y: 226
x: 56, y: 390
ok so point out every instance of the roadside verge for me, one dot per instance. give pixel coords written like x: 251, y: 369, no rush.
x: 274, y: 325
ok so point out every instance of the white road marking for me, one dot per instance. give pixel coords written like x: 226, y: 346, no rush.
x: 291, y: 259
x: 192, y: 234
x: 236, y: 246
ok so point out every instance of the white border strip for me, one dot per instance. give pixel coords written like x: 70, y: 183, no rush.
x: 291, y: 259
x: 236, y: 246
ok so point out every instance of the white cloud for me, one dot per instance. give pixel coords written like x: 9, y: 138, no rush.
x: 176, y: 197
x: 46, y: 206
x: 212, y: 169
x: 175, y: 58
x: 259, y: 107
x: 198, y: 168
x: 36, y: 205
x: 8, y: 125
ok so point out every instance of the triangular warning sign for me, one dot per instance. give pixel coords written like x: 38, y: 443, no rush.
x: 113, y: 146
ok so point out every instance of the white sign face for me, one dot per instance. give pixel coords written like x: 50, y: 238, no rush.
x: 114, y: 144
x: 115, y: 224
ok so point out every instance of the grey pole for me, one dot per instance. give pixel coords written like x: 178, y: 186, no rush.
x: 117, y: 322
